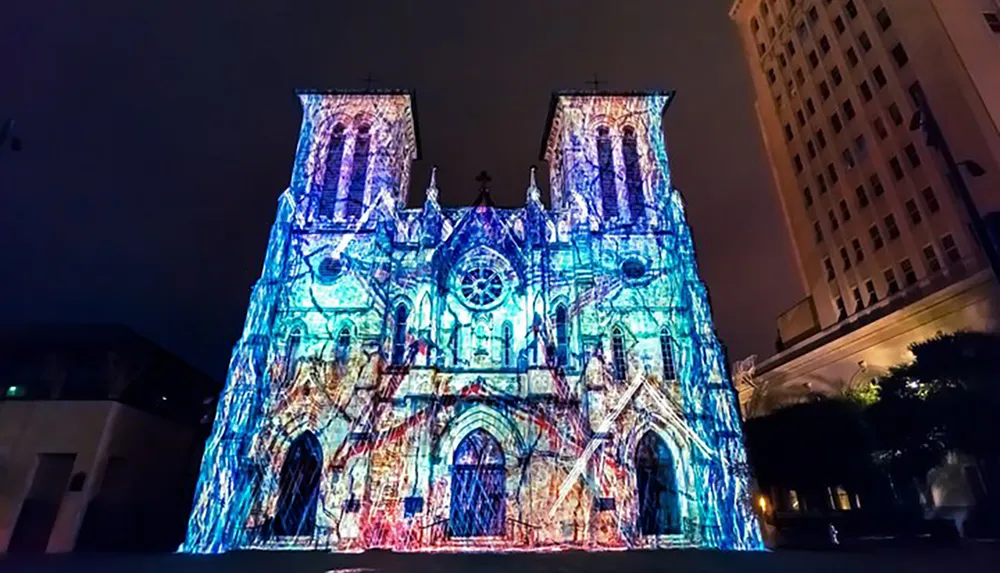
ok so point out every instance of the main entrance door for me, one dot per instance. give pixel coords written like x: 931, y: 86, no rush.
x: 658, y: 510
x: 478, y: 487
x: 299, y: 487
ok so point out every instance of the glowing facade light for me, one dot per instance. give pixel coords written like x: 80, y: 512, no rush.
x: 477, y: 378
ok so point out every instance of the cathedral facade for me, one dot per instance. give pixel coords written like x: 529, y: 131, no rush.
x: 477, y: 378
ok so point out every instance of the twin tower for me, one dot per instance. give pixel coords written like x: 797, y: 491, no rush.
x: 477, y: 378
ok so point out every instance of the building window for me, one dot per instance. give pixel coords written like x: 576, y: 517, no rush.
x: 866, y: 91
x: 810, y: 107
x: 838, y: 24
x: 865, y: 41
x: 912, y: 156
x: 818, y: 230
x: 828, y: 267
x: 993, y: 21
x: 832, y: 170
x: 877, y: 188
x: 813, y: 14
x: 845, y: 258
x: 789, y: 134
x: 359, y: 171
x: 883, y: 19
x: 754, y: 25
x: 848, y: 158
x: 562, y: 336
x: 824, y: 90
x: 876, y: 236
x: 331, y: 173
x: 897, y: 168
x: 796, y: 160
x: 667, y: 354
x: 841, y: 309
x: 862, y: 196
x: 618, y: 353
x: 848, y: 106
x: 890, y: 281
x: 800, y: 117
x: 879, y: 76
x: 399, y: 335
x: 899, y: 55
x: 633, y: 174
x: 811, y: 149
x: 844, y: 211
x: 837, y: 78
x: 880, y: 128
x: 507, y: 344
x: 834, y: 224
x: 782, y: 61
x: 950, y: 249
x: 930, y: 256
x: 930, y: 200
x: 790, y: 48
x: 913, y: 211
x: 807, y: 197
x: 821, y: 138
x: 821, y: 182
x: 896, y: 115
x: 872, y: 295
x: 813, y: 59
x: 824, y: 44
x: 852, y: 57
x: 859, y: 303
x: 836, y: 123
x: 908, y: 273
x: 859, y: 253
x: 851, y: 9
x: 861, y: 146
x: 606, y: 172
x: 890, y: 226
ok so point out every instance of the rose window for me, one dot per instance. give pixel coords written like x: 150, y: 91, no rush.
x: 481, y: 286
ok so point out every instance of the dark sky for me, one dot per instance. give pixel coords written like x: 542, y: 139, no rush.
x: 158, y: 135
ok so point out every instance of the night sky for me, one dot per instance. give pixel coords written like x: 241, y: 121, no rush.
x: 159, y: 134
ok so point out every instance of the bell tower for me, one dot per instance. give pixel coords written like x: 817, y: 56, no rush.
x: 607, y: 155
x: 354, y: 148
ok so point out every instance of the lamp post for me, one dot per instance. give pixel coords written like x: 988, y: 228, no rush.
x: 924, y: 119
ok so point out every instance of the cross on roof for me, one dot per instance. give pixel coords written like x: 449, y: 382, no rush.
x: 484, y: 190
x: 484, y: 179
x: 596, y: 83
x: 369, y: 81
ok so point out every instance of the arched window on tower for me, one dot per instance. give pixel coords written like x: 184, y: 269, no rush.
x: 359, y: 171
x: 667, y: 352
x: 507, y: 345
x: 331, y: 173
x: 292, y: 354
x: 343, y: 345
x: 618, y: 354
x: 562, y: 336
x: 399, y: 335
x: 606, y: 171
x: 633, y: 174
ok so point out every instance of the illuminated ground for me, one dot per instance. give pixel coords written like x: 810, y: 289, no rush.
x: 971, y: 558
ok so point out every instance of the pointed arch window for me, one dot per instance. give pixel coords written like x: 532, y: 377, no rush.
x: 606, y: 172
x: 633, y: 174
x: 399, y: 335
x: 343, y: 344
x: 292, y: 354
x: 331, y: 173
x: 667, y: 352
x: 507, y: 344
x: 562, y: 336
x: 359, y: 171
x: 618, y: 353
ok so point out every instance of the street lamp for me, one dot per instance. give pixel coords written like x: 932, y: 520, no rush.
x: 924, y: 120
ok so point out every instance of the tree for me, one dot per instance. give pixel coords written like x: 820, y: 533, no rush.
x: 945, y: 400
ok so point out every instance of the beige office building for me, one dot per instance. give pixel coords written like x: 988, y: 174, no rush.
x: 885, y: 251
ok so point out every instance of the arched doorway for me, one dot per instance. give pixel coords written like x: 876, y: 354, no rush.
x: 478, y: 487
x: 659, y: 512
x: 298, y: 484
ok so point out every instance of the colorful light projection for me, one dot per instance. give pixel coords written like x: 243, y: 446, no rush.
x: 477, y: 378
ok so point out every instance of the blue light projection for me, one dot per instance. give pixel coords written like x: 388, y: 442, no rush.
x: 479, y: 378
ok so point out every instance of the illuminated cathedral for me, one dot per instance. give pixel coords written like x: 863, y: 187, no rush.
x: 477, y: 378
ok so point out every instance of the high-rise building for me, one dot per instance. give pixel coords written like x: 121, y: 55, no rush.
x: 886, y: 247
x: 477, y: 377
